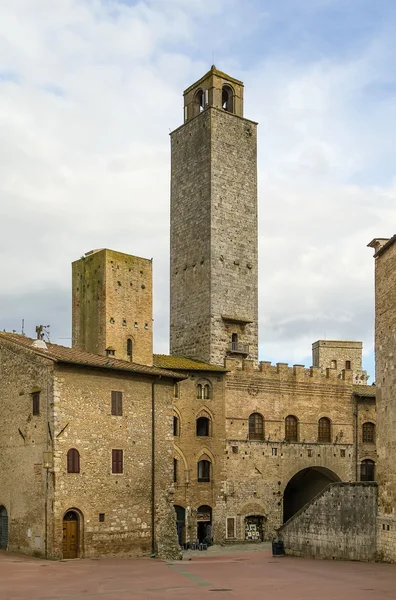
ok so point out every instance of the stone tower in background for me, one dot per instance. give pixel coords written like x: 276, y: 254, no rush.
x: 112, y: 305
x: 213, y: 266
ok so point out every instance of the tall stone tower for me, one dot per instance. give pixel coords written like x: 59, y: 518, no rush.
x: 213, y: 270
x: 112, y: 305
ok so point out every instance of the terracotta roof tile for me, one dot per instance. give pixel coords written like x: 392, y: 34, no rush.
x: 64, y: 354
x: 364, y: 390
x: 182, y: 363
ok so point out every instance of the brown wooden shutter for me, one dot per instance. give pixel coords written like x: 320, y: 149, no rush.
x: 117, y: 461
x: 116, y: 403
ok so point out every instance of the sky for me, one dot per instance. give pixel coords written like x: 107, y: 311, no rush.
x: 89, y: 91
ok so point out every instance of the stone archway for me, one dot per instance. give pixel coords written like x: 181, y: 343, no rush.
x: 304, y: 486
x: 72, y: 526
x: 3, y: 528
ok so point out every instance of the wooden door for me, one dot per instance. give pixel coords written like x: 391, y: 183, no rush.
x: 70, y: 541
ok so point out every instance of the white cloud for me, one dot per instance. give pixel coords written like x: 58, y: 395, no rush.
x: 88, y: 95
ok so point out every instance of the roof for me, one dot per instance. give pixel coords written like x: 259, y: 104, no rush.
x: 213, y: 71
x: 64, y: 354
x: 181, y: 363
x: 364, y: 390
x: 384, y: 247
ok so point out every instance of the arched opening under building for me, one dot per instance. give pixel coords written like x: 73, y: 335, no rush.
x: 180, y: 524
x: 304, y: 486
x: 3, y: 528
x: 254, y: 528
x: 204, y: 524
x: 71, y: 534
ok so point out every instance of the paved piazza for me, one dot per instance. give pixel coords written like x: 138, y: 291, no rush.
x: 239, y: 573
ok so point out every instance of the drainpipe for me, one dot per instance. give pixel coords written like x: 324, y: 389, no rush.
x: 153, y: 544
x: 356, y: 438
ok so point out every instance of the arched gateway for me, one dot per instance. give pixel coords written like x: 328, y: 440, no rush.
x: 304, y: 486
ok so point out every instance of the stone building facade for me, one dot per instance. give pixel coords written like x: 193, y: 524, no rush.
x: 78, y: 476
x: 385, y: 353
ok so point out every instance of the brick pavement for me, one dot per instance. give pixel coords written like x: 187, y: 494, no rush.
x: 248, y: 575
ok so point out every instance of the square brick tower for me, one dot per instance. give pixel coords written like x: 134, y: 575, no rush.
x: 112, y: 305
x: 213, y: 266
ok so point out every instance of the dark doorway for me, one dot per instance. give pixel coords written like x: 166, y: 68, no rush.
x: 70, y: 534
x: 180, y: 524
x: 204, y: 524
x: 304, y: 486
x: 3, y: 528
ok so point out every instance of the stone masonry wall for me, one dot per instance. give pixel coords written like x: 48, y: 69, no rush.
x: 234, y: 233
x: 190, y: 224
x: 385, y: 345
x: 213, y: 235
x: 83, y: 421
x: 23, y: 440
x: 340, y: 523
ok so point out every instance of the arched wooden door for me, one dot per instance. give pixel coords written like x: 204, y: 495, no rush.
x: 3, y: 528
x: 70, y: 534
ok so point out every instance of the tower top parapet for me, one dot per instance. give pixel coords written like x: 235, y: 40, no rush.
x: 215, y: 89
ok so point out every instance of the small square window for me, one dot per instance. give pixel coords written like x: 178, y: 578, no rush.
x: 310, y: 452
x: 101, y: 517
x: 235, y: 449
x: 274, y: 451
x: 36, y: 404
x: 342, y: 452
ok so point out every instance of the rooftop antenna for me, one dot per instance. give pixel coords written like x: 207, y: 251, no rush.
x: 42, y: 331
x: 23, y: 327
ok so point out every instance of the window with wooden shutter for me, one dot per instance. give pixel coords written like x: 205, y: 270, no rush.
x: 291, y: 428
x: 73, y: 461
x: 116, y: 404
x: 117, y: 462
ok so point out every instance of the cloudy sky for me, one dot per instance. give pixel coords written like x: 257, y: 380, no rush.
x: 89, y: 91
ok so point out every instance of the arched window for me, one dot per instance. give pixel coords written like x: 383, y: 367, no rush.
x: 324, y: 430
x: 176, y: 425
x: 256, y: 427
x: 227, y: 98
x: 203, y: 471
x: 129, y: 348
x: 204, y: 391
x: 367, y: 470
x: 368, y: 433
x: 73, y: 461
x: 291, y: 430
x: 199, y: 101
x: 203, y: 426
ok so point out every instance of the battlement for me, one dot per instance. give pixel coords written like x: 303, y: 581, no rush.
x: 285, y: 371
